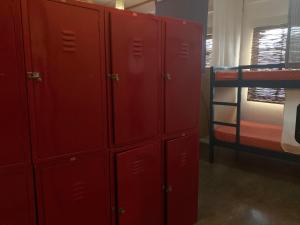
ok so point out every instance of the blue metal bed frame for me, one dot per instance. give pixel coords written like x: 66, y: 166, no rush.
x: 239, y: 84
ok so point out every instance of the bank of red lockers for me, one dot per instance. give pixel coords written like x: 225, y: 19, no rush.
x: 99, y: 117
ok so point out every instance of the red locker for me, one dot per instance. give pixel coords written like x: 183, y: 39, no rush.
x: 182, y: 75
x: 139, y: 186
x: 68, y: 80
x: 182, y: 156
x: 73, y: 190
x: 14, y: 144
x: 135, y: 52
x: 16, y: 195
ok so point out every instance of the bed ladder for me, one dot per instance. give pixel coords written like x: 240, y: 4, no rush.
x: 237, y: 125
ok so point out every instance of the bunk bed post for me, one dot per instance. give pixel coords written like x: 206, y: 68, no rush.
x: 211, y: 110
x: 238, y: 109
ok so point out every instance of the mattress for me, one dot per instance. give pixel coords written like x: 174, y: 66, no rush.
x: 253, y: 134
x: 259, y: 75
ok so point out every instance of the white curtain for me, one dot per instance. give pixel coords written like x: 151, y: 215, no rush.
x: 227, y: 32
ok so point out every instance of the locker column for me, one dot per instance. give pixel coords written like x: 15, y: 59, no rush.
x: 182, y: 69
x: 16, y: 189
x: 134, y: 84
x: 67, y: 101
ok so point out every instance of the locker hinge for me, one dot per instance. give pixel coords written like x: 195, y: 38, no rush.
x: 168, y: 76
x: 114, y: 77
x: 35, y: 76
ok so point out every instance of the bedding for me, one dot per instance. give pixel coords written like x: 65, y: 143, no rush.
x: 253, y: 134
x: 259, y: 75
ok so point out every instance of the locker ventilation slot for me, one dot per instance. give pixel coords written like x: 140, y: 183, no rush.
x: 138, y: 47
x: 183, y: 159
x: 297, y: 132
x: 78, y: 191
x: 184, y: 50
x: 137, y: 167
x: 68, y: 41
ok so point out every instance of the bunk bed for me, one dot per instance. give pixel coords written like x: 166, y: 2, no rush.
x: 249, y: 136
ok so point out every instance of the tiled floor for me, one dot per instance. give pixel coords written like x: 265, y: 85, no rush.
x: 250, y: 191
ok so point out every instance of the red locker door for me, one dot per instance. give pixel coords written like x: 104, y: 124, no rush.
x: 139, y: 179
x: 73, y: 190
x: 183, y: 75
x: 136, y: 60
x: 68, y: 98
x: 14, y: 144
x: 182, y: 180
x: 16, y: 196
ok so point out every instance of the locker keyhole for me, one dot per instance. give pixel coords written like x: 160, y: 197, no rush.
x: 297, y: 132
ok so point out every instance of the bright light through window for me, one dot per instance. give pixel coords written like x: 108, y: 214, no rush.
x: 269, y: 47
x: 209, y: 49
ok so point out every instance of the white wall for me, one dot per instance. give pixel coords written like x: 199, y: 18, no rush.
x: 256, y: 14
x: 148, y: 8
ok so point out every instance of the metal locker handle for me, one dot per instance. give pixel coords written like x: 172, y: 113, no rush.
x: 168, y: 76
x: 35, y: 76
x: 169, y: 189
x: 114, y: 77
x: 121, y: 211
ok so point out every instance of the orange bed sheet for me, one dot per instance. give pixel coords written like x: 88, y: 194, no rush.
x: 260, y: 75
x: 253, y: 134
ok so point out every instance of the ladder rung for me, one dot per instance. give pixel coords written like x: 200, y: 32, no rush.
x: 225, y: 124
x: 225, y: 103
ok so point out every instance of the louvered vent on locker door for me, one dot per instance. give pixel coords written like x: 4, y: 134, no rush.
x: 138, y: 166
x: 183, y: 159
x: 78, y: 191
x: 68, y: 41
x: 138, y: 47
x: 184, y: 50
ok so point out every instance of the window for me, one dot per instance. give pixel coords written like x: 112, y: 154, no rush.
x: 209, y: 49
x: 269, y: 47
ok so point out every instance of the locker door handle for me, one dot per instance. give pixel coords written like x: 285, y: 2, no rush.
x: 121, y: 211
x: 114, y: 77
x: 168, y: 76
x: 35, y: 76
x: 169, y: 189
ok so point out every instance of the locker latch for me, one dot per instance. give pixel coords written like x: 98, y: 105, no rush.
x: 34, y: 76
x: 114, y: 76
x: 168, y: 76
x: 169, y: 189
x: 121, y: 211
